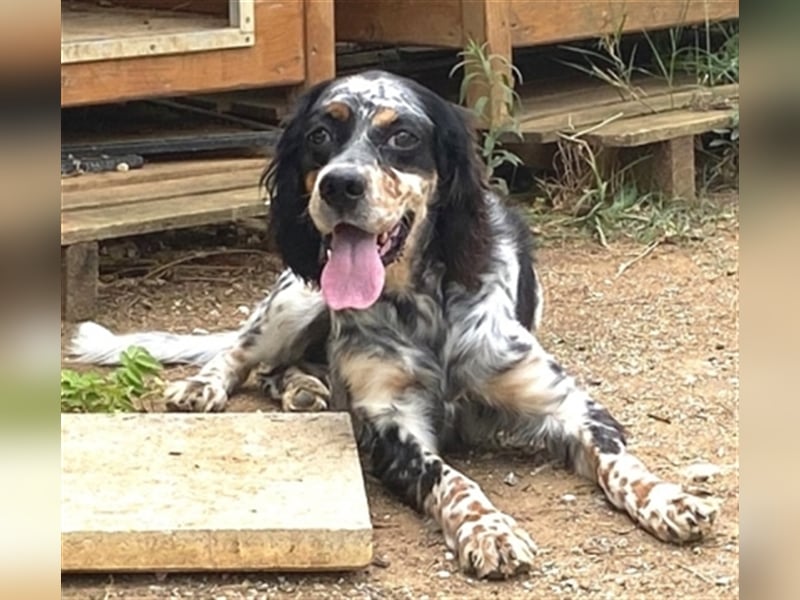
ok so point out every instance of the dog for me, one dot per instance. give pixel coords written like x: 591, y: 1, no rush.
x: 411, y: 299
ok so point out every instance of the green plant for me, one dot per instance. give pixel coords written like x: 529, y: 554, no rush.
x: 608, y: 64
x: 135, y: 378
x: 493, y: 74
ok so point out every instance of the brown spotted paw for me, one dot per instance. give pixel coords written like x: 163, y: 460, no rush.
x: 494, y: 546
x: 673, y: 515
x: 196, y: 395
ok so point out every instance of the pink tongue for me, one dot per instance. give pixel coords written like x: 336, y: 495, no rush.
x: 353, y: 276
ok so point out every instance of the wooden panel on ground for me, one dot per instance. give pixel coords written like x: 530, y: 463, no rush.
x: 182, y: 492
x: 79, y: 271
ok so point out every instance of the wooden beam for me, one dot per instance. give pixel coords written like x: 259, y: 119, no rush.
x: 320, y: 41
x: 488, y: 22
x: 192, y: 492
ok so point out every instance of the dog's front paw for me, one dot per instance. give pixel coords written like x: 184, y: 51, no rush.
x: 196, y: 395
x: 305, y: 394
x: 674, y: 515
x: 297, y: 391
x: 494, y: 546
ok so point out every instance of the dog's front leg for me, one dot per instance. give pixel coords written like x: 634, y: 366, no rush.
x: 280, y: 329
x: 575, y: 426
x: 396, y: 397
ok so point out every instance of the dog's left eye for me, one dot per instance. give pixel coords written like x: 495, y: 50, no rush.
x: 403, y: 140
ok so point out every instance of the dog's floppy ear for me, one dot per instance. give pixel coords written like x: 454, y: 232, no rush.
x: 462, y: 220
x: 297, y: 240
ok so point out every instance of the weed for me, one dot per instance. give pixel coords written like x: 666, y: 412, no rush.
x: 135, y: 378
x: 481, y: 68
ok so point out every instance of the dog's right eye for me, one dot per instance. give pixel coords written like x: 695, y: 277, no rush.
x: 319, y: 137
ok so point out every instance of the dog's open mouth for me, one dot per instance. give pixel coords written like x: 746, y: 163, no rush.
x: 354, y: 273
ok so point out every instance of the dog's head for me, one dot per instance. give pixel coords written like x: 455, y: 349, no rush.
x: 372, y: 171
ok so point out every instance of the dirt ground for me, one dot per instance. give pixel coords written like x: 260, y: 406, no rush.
x: 657, y: 344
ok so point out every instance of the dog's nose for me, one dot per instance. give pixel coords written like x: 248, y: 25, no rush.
x: 342, y: 188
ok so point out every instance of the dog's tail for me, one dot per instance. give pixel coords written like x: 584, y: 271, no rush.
x: 94, y: 344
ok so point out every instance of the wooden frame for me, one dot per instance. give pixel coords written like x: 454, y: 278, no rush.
x: 293, y: 46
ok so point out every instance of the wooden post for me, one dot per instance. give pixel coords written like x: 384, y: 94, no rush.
x: 79, y: 278
x: 320, y: 42
x: 673, y: 167
x: 487, y: 21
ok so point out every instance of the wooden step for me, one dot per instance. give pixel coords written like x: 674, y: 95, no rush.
x: 159, y: 197
x: 193, y: 210
x: 185, y: 492
x: 651, y: 129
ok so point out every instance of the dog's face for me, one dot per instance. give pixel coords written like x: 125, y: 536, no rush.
x: 371, y: 175
x: 358, y: 174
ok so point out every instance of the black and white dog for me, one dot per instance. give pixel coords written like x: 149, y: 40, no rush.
x: 414, y: 285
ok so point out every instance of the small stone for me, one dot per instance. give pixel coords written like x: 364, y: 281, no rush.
x: 569, y: 498
x: 123, y: 167
x: 701, y: 471
x: 511, y: 479
x: 449, y: 556
x: 443, y: 574
x: 725, y: 580
x: 380, y: 561
x: 244, y: 309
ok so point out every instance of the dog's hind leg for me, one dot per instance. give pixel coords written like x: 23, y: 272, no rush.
x: 278, y: 333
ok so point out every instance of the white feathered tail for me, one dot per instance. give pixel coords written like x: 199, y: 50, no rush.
x: 94, y: 344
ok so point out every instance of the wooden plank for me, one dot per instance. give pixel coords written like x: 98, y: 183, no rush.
x: 183, y: 492
x: 487, y: 23
x: 276, y: 59
x: 162, y: 190
x: 547, y: 21
x: 422, y: 22
x: 664, y: 126
x: 147, y: 217
x: 573, y: 118
x: 80, y: 268
x: 163, y: 171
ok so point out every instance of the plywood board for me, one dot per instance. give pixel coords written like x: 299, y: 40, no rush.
x: 246, y: 491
